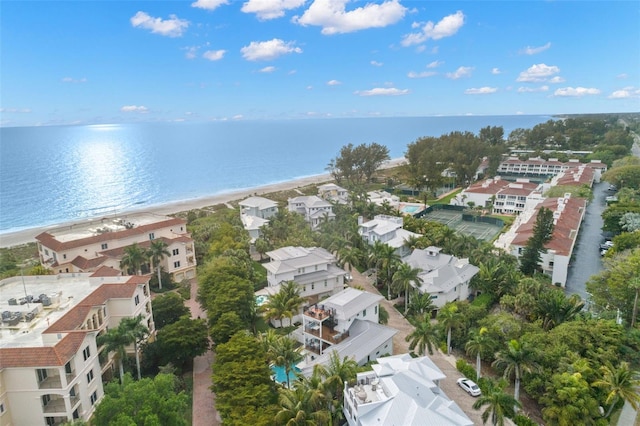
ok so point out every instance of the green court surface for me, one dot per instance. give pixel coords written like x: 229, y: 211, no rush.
x: 453, y: 219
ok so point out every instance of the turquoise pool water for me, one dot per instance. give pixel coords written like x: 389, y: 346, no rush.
x: 280, y: 376
x: 410, y: 209
x: 261, y: 300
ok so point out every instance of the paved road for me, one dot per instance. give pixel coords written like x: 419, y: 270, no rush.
x: 586, y: 255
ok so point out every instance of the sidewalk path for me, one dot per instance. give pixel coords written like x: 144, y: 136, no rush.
x: 444, y: 362
x: 204, y: 411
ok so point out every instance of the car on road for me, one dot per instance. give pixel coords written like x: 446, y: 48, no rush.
x: 469, y: 386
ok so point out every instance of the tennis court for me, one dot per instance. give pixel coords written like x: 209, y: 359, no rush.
x: 453, y: 219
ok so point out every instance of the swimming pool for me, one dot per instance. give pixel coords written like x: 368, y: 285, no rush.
x: 261, y: 300
x: 410, y: 209
x: 280, y: 376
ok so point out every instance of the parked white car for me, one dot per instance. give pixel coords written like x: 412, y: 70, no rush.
x: 469, y: 386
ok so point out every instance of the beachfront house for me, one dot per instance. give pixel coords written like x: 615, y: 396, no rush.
x: 381, y: 197
x: 333, y: 193
x: 313, y: 269
x: 387, y: 230
x: 444, y: 277
x: 85, y: 247
x: 255, y: 213
x: 314, y: 209
x: 52, y: 370
x: 401, y: 390
x: 346, y: 323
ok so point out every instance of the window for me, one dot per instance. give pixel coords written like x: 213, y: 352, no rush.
x: 137, y: 299
x: 1, y: 407
x: 86, y: 353
x: 46, y: 399
x: 364, y: 313
x: 64, y: 256
x: 89, y: 376
x: 152, y: 236
x: 551, y: 264
x: 375, y: 309
x: 94, y: 397
x: 104, y: 246
x: 42, y: 374
x: 46, y: 252
x: 176, y: 264
x: 313, y: 286
x: 175, y: 252
x: 67, y: 368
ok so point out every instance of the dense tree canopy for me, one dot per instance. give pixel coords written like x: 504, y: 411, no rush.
x: 167, y: 309
x: 357, y: 164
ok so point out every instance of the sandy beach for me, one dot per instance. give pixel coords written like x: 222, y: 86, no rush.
x: 25, y: 236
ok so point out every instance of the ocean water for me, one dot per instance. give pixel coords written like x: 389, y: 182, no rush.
x: 56, y: 174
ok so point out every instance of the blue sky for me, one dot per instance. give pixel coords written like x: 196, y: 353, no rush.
x: 86, y: 62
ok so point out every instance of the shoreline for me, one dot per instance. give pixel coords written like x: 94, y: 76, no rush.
x: 25, y: 236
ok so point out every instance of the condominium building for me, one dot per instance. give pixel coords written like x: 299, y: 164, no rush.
x: 85, y: 247
x: 52, y: 370
x: 503, y: 196
x: 540, y: 167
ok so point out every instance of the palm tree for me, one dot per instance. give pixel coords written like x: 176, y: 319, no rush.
x: 134, y: 331
x: 300, y: 407
x: 500, y: 405
x: 114, y: 341
x: 404, y: 280
x: 157, y: 252
x: 386, y: 259
x: 335, y: 373
x: 420, y: 304
x: 516, y: 359
x: 291, y: 299
x: 424, y: 336
x: 129, y: 331
x: 555, y: 308
x: 275, y: 308
x: 449, y: 318
x: 286, y: 353
x: 479, y: 343
x: 133, y: 259
x: 619, y: 383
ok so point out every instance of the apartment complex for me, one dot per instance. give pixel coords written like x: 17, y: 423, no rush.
x: 537, y: 166
x: 51, y: 368
x: 85, y: 247
x: 503, y: 196
x: 401, y: 390
x: 346, y: 323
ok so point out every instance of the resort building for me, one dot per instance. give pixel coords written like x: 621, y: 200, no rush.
x: 387, y: 230
x: 314, y: 209
x: 85, y: 247
x: 539, y: 167
x: 52, y: 370
x: 502, y: 196
x: 314, y: 269
x: 255, y: 213
x: 346, y: 323
x: 446, y: 278
x: 568, y: 213
x: 582, y: 175
x: 334, y: 193
x: 401, y: 390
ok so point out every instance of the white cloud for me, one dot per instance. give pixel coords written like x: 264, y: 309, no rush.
x: 172, y: 27
x: 214, y: 55
x: 481, y: 91
x: 460, y: 72
x: 538, y: 72
x: 556, y: 79
x: 333, y: 83
x: 74, y: 80
x: 382, y: 91
x: 496, y: 71
x: 134, y: 108
x: 448, y: 26
x: 268, y: 69
x: 191, y: 52
x: 209, y: 4
x: 435, y: 64
x: 16, y: 110
x: 423, y: 74
x: 622, y: 76
x: 268, y: 50
x: 535, y: 50
x: 334, y: 19
x: 376, y: 63
x: 237, y: 117
x: 627, y: 92
x: 270, y: 9
x: 576, y: 91
x: 532, y: 89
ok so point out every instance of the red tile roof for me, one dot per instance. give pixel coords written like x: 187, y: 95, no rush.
x: 86, y: 264
x: 46, y: 356
x: 50, y: 241
x: 106, y: 271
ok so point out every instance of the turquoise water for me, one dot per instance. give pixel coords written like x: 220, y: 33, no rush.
x: 261, y: 300
x: 281, y: 377
x: 410, y: 209
x: 55, y: 174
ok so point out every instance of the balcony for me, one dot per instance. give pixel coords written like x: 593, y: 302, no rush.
x: 318, y: 312
x: 55, y: 406
x: 328, y: 334
x: 51, y: 382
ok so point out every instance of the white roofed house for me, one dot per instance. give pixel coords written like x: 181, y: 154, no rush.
x: 314, y: 209
x: 401, y: 390
x: 446, y: 278
x: 314, y: 269
x: 255, y: 213
x: 346, y: 323
x: 387, y: 230
x: 333, y: 192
